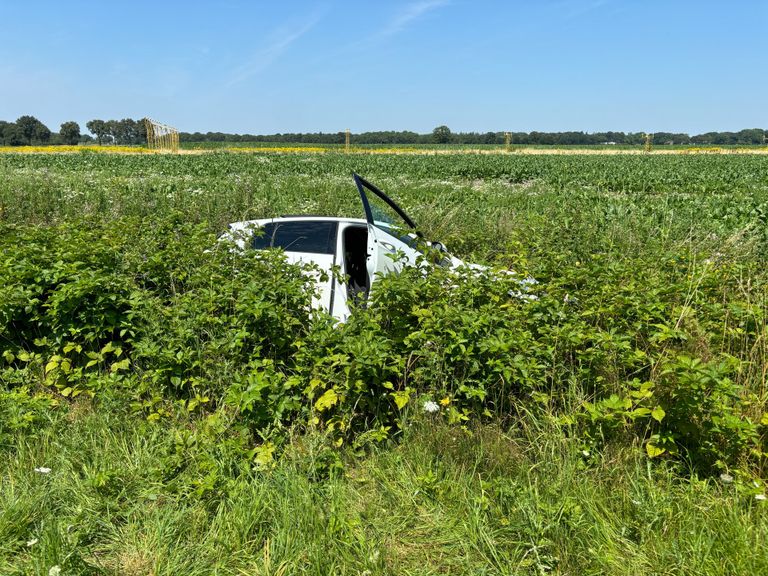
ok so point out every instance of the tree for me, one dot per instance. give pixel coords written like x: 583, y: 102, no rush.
x: 12, y: 135
x: 98, y: 128
x: 26, y: 125
x: 42, y: 133
x: 130, y: 131
x: 32, y: 129
x: 113, y: 130
x: 70, y: 132
x: 441, y: 135
x: 750, y: 136
x: 141, y: 131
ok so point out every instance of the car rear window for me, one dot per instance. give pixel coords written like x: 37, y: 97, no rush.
x: 301, y: 236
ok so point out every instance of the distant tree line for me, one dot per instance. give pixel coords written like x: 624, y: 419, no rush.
x: 443, y: 135
x: 28, y: 130
x: 125, y: 132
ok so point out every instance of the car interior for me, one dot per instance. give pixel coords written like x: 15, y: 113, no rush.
x: 355, y: 255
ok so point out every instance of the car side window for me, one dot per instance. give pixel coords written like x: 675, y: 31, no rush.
x: 300, y: 236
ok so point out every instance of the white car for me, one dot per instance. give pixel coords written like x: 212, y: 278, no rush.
x: 382, y: 243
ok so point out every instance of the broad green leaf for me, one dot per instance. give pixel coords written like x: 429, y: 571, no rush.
x: 658, y: 414
x: 72, y: 346
x: 401, y: 398
x: 653, y: 450
x: 328, y: 399
x: 265, y: 456
x: 121, y: 365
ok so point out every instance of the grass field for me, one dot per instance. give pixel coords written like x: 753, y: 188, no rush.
x: 168, y: 408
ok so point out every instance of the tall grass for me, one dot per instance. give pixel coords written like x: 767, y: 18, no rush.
x: 441, y: 500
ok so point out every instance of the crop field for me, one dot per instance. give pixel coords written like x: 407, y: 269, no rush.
x: 170, y: 406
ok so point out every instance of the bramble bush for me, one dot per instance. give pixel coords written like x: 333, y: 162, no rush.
x: 146, y: 302
x: 158, y: 313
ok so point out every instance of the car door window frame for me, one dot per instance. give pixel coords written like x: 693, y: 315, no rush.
x: 362, y: 186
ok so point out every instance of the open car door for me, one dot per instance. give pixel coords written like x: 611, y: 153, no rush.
x: 392, y: 235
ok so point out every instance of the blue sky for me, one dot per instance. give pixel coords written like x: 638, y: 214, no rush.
x: 327, y: 65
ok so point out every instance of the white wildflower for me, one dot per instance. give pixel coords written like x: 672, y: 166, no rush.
x: 42, y: 470
x: 726, y: 478
x: 523, y: 296
x: 54, y: 570
x: 32, y: 542
x: 585, y: 453
x: 760, y: 497
x: 636, y: 502
x: 430, y: 407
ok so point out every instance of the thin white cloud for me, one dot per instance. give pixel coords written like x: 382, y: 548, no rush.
x: 572, y: 9
x: 264, y: 58
x: 409, y: 14
x: 401, y: 20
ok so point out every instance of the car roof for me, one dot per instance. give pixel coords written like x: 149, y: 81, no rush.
x: 300, y: 218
